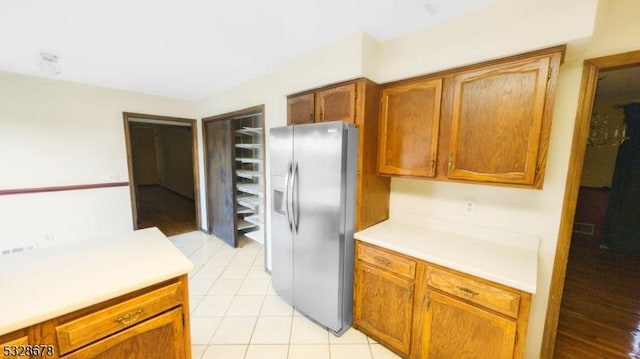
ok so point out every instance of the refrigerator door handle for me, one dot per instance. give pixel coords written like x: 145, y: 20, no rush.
x: 286, y: 195
x: 295, y: 206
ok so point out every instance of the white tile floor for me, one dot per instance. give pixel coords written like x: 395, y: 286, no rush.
x: 236, y: 314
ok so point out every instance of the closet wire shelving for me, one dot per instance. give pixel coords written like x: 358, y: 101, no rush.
x: 249, y: 157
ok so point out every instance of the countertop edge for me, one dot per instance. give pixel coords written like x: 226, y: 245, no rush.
x: 528, y: 285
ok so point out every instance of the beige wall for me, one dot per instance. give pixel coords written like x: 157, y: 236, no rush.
x: 56, y: 133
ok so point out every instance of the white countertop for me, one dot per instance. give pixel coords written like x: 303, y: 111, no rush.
x: 502, y: 257
x: 45, y: 283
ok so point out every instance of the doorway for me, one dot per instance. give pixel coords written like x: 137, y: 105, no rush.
x: 234, y: 160
x: 594, y: 302
x: 162, y: 163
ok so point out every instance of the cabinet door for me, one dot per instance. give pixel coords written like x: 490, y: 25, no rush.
x: 409, y: 124
x: 383, y: 306
x: 497, y: 120
x: 300, y: 109
x: 455, y: 329
x: 336, y: 104
x: 161, y: 337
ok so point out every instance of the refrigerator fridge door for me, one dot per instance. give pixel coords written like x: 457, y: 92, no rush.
x: 281, y: 160
x: 322, y: 237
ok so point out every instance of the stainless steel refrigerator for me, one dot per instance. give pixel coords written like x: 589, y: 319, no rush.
x: 313, y: 182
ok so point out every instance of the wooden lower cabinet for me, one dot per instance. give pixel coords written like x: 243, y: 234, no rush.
x: 384, y: 306
x: 455, y: 329
x: 158, y: 338
x: 421, y: 310
x: 149, y: 323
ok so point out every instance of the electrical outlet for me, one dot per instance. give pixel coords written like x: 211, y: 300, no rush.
x: 469, y: 207
x: 48, y: 237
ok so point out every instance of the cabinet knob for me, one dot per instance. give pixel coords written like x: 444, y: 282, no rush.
x: 468, y: 291
x: 382, y: 261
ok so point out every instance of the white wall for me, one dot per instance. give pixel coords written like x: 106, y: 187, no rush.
x: 56, y: 133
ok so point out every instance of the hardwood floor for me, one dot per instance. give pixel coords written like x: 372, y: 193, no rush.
x: 600, y: 312
x: 170, y: 212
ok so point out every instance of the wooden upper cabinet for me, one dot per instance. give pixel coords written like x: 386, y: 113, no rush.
x: 336, y: 104
x: 300, y: 109
x: 499, y: 128
x: 384, y: 295
x: 409, y: 124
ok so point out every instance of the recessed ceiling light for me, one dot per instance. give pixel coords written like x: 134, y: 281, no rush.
x: 48, y: 63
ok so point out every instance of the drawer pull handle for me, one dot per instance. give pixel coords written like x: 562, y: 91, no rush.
x: 468, y: 291
x: 130, y: 317
x: 382, y: 261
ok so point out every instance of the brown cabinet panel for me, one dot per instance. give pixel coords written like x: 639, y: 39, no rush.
x: 336, y: 104
x: 441, y: 313
x: 409, y: 124
x: 383, y: 306
x: 483, y: 123
x: 488, y: 296
x: 92, y: 327
x: 497, y: 120
x: 396, y: 264
x: 161, y: 338
x: 300, y: 109
x: 455, y: 329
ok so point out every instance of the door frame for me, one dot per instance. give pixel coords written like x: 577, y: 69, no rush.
x: 194, y: 151
x: 590, y: 72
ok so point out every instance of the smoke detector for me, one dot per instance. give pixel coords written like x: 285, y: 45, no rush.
x: 48, y: 63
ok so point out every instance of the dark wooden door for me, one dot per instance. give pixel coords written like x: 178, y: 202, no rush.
x: 220, y: 167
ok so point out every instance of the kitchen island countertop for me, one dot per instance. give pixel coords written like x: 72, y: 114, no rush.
x: 503, y: 257
x: 45, y: 283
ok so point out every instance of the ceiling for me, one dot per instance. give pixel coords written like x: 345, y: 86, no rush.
x: 193, y: 48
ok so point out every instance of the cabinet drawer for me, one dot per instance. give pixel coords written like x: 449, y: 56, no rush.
x: 391, y: 262
x: 493, y: 298
x: 97, y: 325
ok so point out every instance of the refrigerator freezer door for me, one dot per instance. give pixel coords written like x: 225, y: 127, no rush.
x: 281, y: 150
x: 319, y: 215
